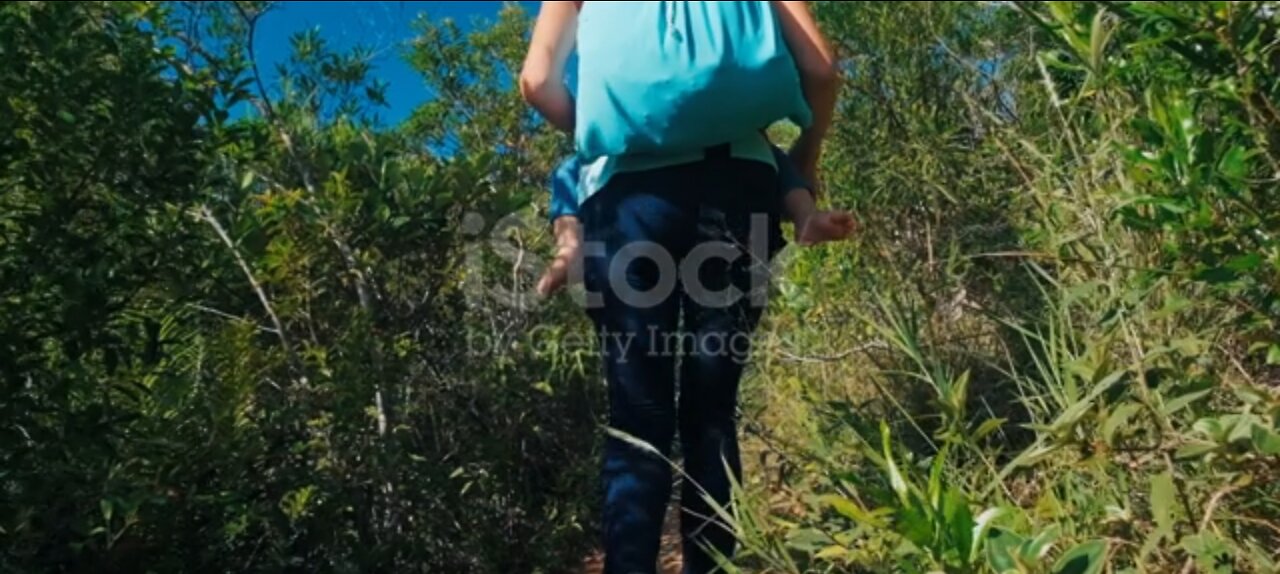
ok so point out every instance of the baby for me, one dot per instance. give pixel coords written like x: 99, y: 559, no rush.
x: 812, y: 226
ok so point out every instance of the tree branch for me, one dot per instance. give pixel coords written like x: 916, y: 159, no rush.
x: 309, y: 184
x: 208, y: 217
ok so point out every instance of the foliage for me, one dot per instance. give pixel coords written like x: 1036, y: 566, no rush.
x: 230, y: 310
x: 246, y: 326
x: 1065, y: 311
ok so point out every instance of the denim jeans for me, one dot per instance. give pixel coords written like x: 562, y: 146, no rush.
x: 660, y: 325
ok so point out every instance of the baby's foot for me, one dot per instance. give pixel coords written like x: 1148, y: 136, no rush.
x: 825, y: 227
x: 557, y: 275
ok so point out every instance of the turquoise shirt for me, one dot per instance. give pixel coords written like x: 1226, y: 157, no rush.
x: 660, y: 76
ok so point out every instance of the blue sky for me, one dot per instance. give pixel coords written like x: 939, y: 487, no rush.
x: 383, y: 26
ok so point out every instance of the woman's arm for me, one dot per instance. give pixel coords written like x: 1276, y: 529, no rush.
x: 542, y: 77
x: 820, y: 78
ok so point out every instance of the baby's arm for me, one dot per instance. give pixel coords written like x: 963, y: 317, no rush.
x: 819, y: 75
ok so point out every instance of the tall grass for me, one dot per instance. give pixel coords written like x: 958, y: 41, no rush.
x: 1056, y: 353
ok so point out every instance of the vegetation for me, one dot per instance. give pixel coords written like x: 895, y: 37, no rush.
x: 247, y: 326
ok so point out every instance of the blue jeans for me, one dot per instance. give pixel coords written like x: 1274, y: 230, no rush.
x: 717, y: 218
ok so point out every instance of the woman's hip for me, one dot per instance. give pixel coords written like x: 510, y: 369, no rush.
x: 652, y: 234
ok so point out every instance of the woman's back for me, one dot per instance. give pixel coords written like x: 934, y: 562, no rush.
x: 674, y: 77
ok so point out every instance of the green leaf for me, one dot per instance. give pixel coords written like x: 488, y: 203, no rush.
x: 1172, y: 307
x: 1266, y: 441
x: 1087, y: 558
x: 634, y: 442
x: 1249, y: 396
x: 247, y: 179
x: 959, y: 395
x: 832, y: 553
x: 1211, y: 428
x: 1261, y: 559
x: 66, y: 116
x: 1191, y: 346
x: 1036, y: 549
x: 1273, y: 355
x: 1232, y: 166
x: 1184, y: 401
x: 1072, y: 415
x: 981, y: 527
x: 959, y: 520
x: 808, y: 540
x: 935, y: 477
x: 1245, y: 263
x: 1196, y: 450
x: 1002, y: 549
x: 853, y: 511
x: 1163, y: 498
x: 1150, y: 131
x: 1211, y: 554
x: 1171, y: 205
x: 1242, y: 431
x: 1216, y: 275
x: 896, y: 480
x: 988, y: 427
x: 1118, y: 419
x: 294, y: 503
x: 1099, y: 37
x: 107, y: 509
x: 914, y: 525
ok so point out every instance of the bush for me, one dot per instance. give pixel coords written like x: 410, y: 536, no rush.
x: 1057, y: 356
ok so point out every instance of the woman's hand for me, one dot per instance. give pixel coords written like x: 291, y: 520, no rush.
x: 542, y: 77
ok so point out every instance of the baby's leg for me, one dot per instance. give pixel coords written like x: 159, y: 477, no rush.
x: 568, y: 232
x: 813, y: 226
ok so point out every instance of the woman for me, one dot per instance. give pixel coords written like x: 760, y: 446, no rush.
x: 678, y: 273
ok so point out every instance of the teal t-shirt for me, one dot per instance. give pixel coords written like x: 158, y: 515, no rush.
x: 654, y: 77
